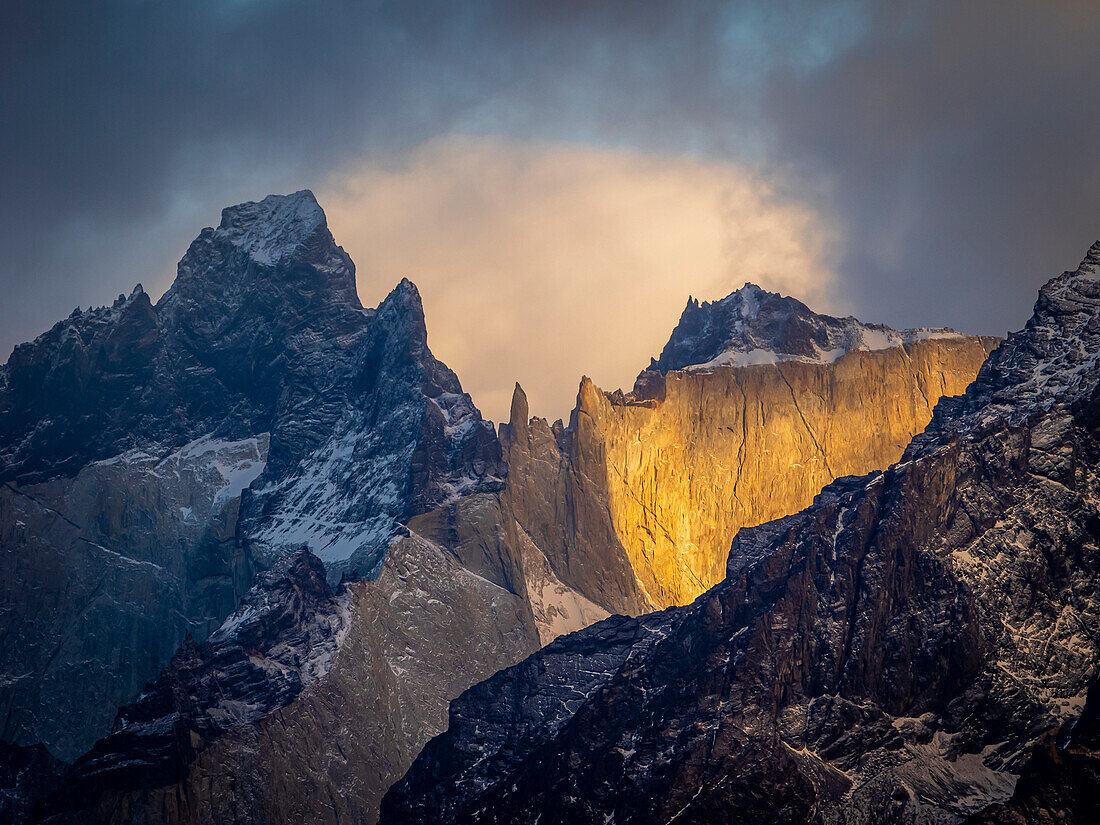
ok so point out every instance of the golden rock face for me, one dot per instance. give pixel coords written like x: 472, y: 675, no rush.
x: 675, y: 478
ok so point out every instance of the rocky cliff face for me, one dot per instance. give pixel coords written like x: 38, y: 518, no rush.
x: 416, y: 636
x: 127, y: 437
x: 557, y: 495
x: 666, y: 476
x: 461, y: 594
x: 280, y: 640
x: 104, y: 573
x: 1059, y: 780
x: 889, y: 654
x: 482, y: 577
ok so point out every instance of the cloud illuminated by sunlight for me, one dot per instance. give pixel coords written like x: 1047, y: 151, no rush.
x: 540, y: 262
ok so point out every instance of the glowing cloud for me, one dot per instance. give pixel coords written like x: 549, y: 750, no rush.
x: 541, y: 262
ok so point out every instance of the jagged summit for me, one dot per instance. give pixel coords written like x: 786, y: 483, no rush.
x: 520, y: 410
x: 262, y: 331
x: 271, y: 229
x: 269, y: 257
x: 167, y: 453
x: 1092, y: 260
x: 753, y: 326
x: 404, y: 306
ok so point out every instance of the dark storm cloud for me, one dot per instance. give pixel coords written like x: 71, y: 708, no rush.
x: 954, y: 143
x: 963, y: 144
x: 115, y: 115
x: 125, y: 126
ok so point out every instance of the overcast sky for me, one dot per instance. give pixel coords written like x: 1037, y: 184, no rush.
x: 558, y: 177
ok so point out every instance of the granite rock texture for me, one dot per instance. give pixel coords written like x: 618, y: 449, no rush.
x: 280, y: 513
x: 653, y: 485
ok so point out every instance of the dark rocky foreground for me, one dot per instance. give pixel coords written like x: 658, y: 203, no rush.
x: 894, y: 653
x: 1060, y: 780
x: 281, y: 640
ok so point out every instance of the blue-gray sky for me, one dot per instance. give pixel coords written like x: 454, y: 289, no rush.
x: 918, y: 163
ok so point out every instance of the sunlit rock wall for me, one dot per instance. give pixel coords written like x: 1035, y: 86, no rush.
x: 667, y: 476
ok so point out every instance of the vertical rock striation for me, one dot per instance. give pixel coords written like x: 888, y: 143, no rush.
x: 705, y: 445
x: 557, y: 495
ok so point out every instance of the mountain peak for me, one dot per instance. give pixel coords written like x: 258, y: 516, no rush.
x: 405, y: 291
x: 753, y: 326
x: 1091, y: 263
x: 275, y: 257
x: 269, y: 229
x: 405, y: 305
x: 520, y: 411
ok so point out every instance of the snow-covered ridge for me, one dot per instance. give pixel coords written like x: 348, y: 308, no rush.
x: 753, y: 326
x: 82, y: 323
x: 109, y: 314
x: 345, y: 497
x: 270, y: 229
x: 866, y: 338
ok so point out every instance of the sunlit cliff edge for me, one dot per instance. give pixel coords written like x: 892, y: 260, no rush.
x: 667, y: 475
